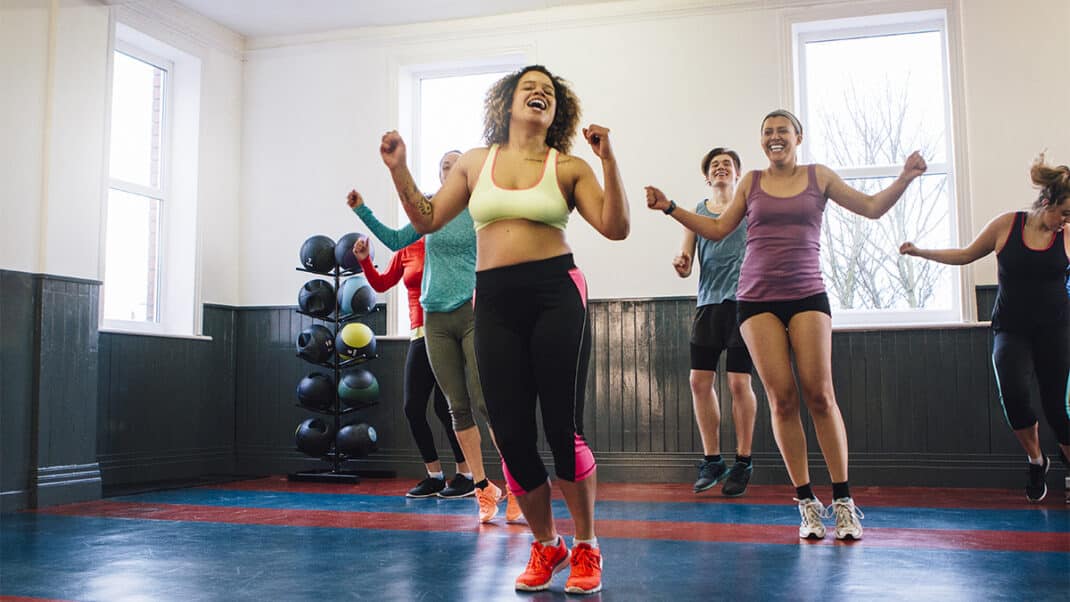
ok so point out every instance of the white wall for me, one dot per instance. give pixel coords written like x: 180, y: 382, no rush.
x: 314, y: 114
x: 671, y: 83
x: 53, y: 114
x: 23, y: 69
x: 1016, y: 59
x: 53, y: 65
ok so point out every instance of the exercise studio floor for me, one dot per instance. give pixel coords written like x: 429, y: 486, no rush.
x: 268, y: 540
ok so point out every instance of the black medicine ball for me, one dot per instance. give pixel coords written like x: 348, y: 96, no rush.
x: 316, y: 391
x: 313, y: 437
x: 316, y: 344
x: 343, y: 252
x: 356, y: 440
x: 317, y: 254
x: 316, y: 298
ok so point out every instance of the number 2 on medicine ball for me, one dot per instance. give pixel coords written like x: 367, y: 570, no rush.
x: 317, y: 254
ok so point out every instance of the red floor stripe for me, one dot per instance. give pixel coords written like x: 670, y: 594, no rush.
x: 914, y: 497
x: 940, y: 539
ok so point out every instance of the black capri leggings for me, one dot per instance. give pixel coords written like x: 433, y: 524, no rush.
x: 419, y: 383
x: 1047, y: 353
x: 532, y: 343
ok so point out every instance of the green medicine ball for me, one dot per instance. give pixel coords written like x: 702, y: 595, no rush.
x: 358, y: 387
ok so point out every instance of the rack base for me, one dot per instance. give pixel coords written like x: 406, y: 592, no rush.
x: 341, y: 476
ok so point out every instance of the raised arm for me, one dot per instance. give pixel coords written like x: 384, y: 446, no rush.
x: 713, y: 228
x: 993, y: 235
x: 426, y: 215
x: 380, y: 282
x: 606, y: 210
x: 392, y: 239
x: 870, y: 205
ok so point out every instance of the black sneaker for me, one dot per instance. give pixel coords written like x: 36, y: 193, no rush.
x: 427, y: 487
x: 709, y: 474
x: 735, y: 484
x: 1036, y: 489
x: 460, y: 486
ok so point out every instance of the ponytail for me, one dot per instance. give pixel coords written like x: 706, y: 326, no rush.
x: 1053, y: 182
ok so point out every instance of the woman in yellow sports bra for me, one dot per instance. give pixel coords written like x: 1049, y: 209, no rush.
x: 531, y: 329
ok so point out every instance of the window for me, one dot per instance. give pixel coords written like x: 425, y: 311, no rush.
x: 137, y: 189
x: 447, y: 114
x: 150, y: 242
x: 870, y: 92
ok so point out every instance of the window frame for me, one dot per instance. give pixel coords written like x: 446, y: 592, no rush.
x: 410, y: 80
x: 179, y: 293
x: 161, y: 193
x: 807, y: 28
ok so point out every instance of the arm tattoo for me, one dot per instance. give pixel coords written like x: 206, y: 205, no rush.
x: 413, y: 197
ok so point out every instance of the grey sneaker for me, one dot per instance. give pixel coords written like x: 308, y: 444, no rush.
x: 812, y: 512
x: 709, y: 474
x: 848, y: 524
x: 735, y: 484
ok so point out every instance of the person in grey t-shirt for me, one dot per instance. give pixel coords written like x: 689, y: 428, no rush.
x: 716, y: 329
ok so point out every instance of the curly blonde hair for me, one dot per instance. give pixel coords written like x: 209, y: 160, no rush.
x: 497, y: 109
x: 1053, y: 182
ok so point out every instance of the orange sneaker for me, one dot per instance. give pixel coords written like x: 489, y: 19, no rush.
x: 488, y: 499
x: 545, y: 562
x: 586, y: 575
x: 513, y: 512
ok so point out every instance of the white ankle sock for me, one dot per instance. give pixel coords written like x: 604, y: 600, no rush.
x: 593, y: 542
x: 435, y: 475
x: 1039, y: 460
x: 553, y: 543
x: 466, y: 475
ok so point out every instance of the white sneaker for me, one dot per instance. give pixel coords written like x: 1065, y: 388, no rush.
x: 847, y: 516
x: 812, y: 512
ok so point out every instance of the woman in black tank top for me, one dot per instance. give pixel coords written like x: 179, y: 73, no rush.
x: 1031, y: 318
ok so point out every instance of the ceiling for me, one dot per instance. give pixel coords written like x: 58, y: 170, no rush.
x: 254, y: 18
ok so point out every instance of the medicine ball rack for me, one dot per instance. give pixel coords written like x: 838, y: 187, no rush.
x: 335, y: 474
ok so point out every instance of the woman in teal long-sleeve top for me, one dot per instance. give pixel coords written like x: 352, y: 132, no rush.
x: 446, y: 291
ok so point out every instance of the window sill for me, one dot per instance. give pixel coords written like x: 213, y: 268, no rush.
x: 163, y: 335
x: 909, y: 326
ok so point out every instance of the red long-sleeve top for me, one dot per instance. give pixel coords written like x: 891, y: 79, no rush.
x: 407, y: 265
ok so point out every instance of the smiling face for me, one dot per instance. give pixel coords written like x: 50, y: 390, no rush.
x: 1056, y: 217
x: 446, y: 164
x: 534, y: 98
x: 722, y: 172
x: 780, y: 140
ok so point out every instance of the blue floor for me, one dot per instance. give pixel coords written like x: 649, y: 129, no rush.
x: 76, y: 553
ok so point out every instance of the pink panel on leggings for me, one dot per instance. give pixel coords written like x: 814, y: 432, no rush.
x: 510, y: 482
x: 581, y: 284
x: 585, y: 464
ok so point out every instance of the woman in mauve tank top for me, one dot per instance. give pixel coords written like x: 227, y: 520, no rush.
x: 1031, y: 316
x: 783, y: 308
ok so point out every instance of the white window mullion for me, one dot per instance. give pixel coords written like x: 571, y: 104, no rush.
x: 138, y: 189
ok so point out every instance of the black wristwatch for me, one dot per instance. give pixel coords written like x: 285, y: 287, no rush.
x: 670, y: 208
